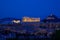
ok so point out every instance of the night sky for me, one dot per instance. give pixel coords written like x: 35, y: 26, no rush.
x: 31, y: 8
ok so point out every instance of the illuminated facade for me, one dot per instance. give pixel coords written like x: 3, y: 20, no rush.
x: 28, y: 19
x: 16, y: 21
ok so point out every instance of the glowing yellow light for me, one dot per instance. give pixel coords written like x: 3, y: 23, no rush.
x: 27, y: 19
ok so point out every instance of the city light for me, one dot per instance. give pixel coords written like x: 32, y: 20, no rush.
x: 16, y: 21
x: 28, y: 19
x: 43, y: 28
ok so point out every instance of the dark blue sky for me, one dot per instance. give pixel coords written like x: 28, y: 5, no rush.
x: 31, y: 8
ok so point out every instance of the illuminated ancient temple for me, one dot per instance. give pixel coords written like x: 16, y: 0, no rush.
x: 30, y: 19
